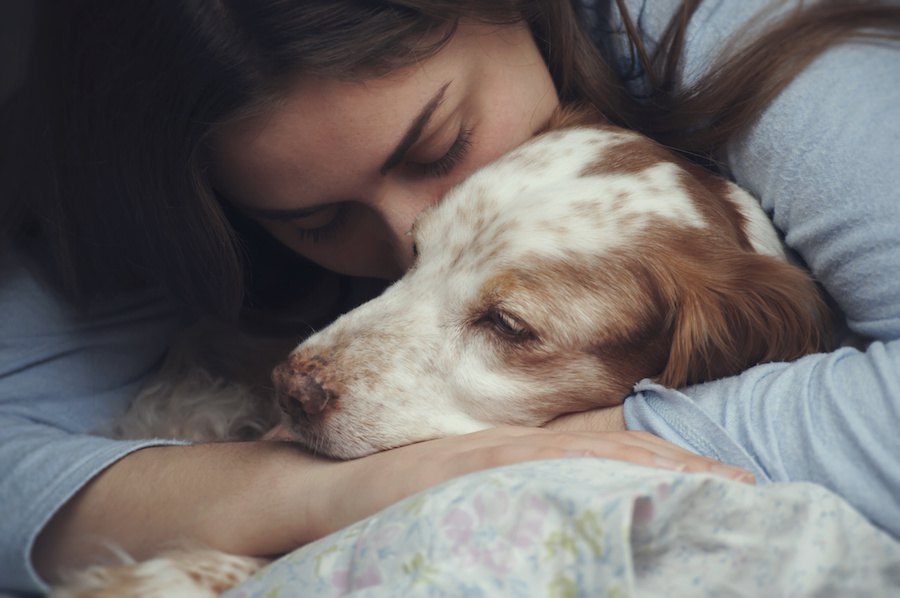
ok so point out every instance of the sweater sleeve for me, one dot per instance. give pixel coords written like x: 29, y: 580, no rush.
x: 824, y: 160
x: 62, y: 375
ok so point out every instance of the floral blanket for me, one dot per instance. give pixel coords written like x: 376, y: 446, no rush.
x: 589, y: 527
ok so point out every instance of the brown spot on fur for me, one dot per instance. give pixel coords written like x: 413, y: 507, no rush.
x: 632, y: 156
x: 710, y: 194
x: 708, y: 191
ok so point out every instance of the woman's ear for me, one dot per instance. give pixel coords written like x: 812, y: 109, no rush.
x: 737, y: 310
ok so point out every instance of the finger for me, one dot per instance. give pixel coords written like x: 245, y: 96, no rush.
x: 666, y: 455
x: 670, y: 456
x: 512, y: 444
x: 651, y: 451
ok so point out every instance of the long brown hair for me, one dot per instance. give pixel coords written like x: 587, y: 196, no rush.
x: 106, y: 154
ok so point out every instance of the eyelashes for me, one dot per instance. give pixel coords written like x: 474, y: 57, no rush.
x: 328, y: 230
x: 443, y: 165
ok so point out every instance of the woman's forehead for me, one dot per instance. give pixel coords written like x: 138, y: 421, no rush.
x: 321, y: 130
x: 473, y: 47
x: 327, y: 124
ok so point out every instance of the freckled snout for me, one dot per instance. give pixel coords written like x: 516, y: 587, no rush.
x: 301, y: 392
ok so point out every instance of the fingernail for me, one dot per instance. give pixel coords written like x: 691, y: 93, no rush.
x: 666, y: 463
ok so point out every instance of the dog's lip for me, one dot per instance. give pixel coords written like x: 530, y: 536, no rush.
x: 319, y: 440
x: 322, y: 445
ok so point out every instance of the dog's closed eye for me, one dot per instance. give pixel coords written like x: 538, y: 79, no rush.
x: 508, y: 326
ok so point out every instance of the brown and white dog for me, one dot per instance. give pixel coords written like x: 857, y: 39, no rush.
x: 549, y: 282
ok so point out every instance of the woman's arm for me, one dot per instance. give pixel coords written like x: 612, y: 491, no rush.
x: 823, y: 159
x: 63, y: 373
x: 242, y: 498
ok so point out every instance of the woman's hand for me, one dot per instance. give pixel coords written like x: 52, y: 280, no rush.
x: 612, y: 419
x: 351, y: 490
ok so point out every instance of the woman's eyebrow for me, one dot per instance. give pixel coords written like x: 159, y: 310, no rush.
x: 415, y: 130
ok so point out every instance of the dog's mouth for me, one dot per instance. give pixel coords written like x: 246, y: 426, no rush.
x: 320, y: 444
x: 318, y: 435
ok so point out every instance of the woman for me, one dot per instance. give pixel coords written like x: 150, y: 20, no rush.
x: 169, y: 145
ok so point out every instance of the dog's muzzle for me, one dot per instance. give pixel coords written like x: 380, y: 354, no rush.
x: 300, y: 394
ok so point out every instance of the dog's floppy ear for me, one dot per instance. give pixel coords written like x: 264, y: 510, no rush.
x: 737, y: 310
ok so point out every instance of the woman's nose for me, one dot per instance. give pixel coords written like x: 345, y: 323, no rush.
x: 398, y: 206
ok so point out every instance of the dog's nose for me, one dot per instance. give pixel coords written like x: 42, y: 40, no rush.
x: 296, y: 388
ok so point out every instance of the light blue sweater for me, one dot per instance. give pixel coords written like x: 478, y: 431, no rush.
x: 825, y: 161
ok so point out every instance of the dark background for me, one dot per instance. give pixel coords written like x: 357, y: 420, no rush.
x: 16, y: 18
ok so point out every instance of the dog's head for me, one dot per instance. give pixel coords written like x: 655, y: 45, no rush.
x: 550, y: 282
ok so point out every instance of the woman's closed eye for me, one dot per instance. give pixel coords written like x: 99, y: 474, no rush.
x: 319, y: 223
x: 322, y: 225
x: 452, y: 157
x: 325, y: 223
